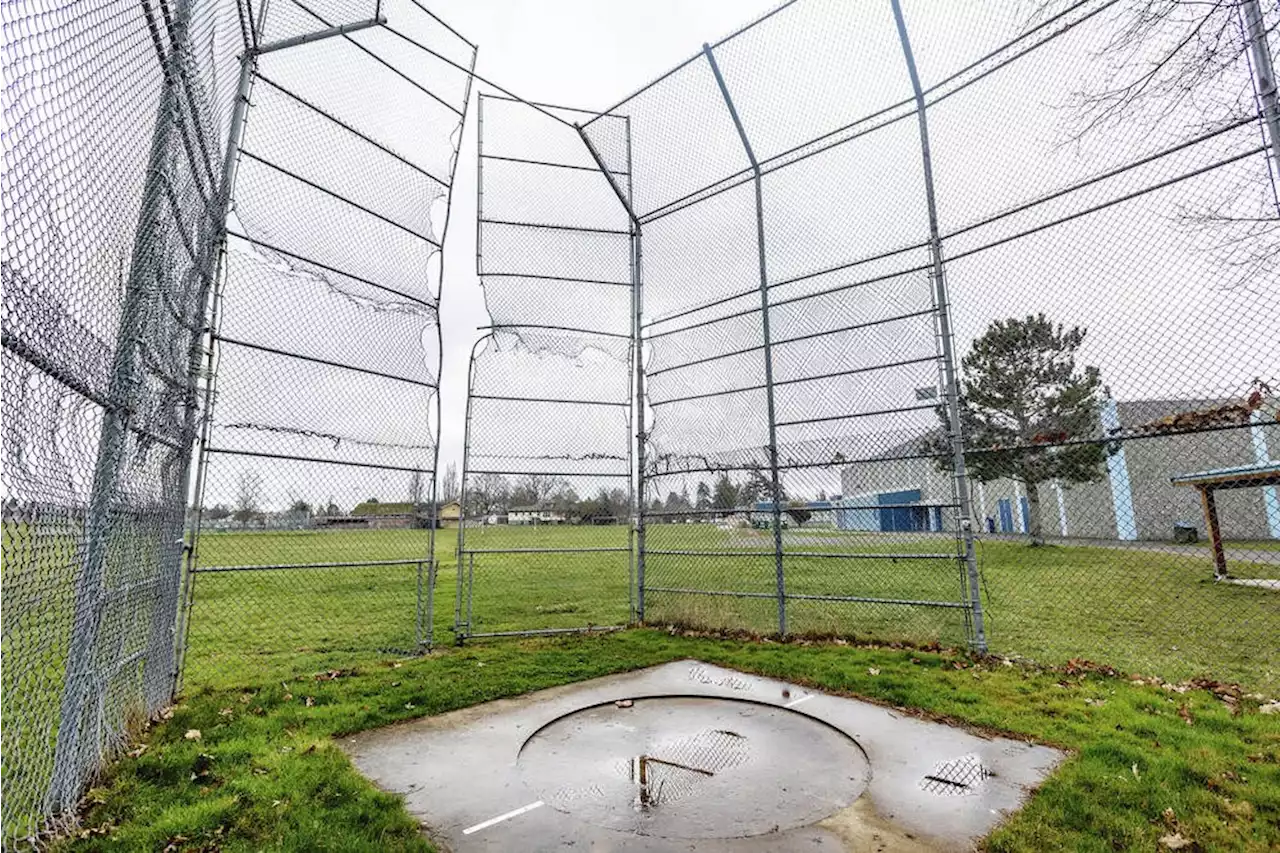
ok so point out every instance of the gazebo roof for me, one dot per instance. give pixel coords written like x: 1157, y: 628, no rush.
x: 1240, y: 476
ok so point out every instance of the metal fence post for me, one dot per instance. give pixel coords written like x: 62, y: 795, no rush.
x: 1264, y: 77
x: 460, y: 629
x: 978, y: 640
x: 637, y: 350
x: 776, y: 485
x: 637, y: 411
x: 235, y: 135
x: 426, y: 638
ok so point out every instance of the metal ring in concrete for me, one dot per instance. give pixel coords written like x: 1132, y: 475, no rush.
x: 693, y: 767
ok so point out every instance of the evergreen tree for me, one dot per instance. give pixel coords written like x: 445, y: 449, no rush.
x: 1023, y: 403
x: 725, y: 495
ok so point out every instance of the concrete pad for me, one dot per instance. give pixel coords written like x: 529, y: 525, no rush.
x: 693, y: 757
x: 1257, y: 583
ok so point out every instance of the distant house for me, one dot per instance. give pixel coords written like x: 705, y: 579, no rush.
x: 536, y: 514
x: 450, y: 513
x: 903, y: 490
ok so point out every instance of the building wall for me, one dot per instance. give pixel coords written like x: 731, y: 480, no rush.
x: 1090, y: 507
x: 1158, y: 503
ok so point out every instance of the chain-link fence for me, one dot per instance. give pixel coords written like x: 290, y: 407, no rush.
x: 547, y: 482
x: 862, y: 240
x: 115, y: 120
x: 126, y: 126
x: 744, y: 325
x: 317, y: 510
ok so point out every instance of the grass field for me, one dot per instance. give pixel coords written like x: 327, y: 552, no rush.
x: 1140, y: 610
x: 265, y: 774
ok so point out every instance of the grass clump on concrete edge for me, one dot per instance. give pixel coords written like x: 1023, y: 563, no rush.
x: 254, y: 767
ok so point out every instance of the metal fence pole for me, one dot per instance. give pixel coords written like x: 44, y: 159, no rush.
x: 978, y: 640
x: 638, y: 411
x: 637, y: 316
x: 235, y: 135
x: 768, y: 344
x: 637, y: 301
x: 1264, y: 77
x: 426, y: 638
x: 459, y: 629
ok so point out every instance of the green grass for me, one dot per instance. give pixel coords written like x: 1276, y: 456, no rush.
x: 1245, y: 545
x: 266, y: 775
x: 1142, y: 610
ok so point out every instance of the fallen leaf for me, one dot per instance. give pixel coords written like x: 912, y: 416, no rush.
x: 1175, y: 841
x: 192, y: 734
x: 225, y: 712
x: 332, y: 675
x: 288, y: 697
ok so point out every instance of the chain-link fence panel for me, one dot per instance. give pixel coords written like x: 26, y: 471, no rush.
x: 788, y: 338
x: 317, y: 506
x: 545, y: 538
x: 1111, y: 255
x: 984, y: 352
x: 116, y: 118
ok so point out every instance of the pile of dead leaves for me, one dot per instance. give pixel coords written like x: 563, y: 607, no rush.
x: 1173, y: 839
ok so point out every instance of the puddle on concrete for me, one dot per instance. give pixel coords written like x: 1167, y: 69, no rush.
x: 689, y: 756
x: 693, y: 767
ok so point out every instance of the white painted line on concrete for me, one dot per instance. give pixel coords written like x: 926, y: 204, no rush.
x: 804, y: 698
x: 500, y: 818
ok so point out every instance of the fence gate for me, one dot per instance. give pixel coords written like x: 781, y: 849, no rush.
x: 316, y: 499
x: 545, y: 543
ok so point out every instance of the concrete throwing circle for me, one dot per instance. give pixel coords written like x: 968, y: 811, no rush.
x: 693, y: 767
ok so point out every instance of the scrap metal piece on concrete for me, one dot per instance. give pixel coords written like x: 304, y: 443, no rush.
x: 702, y: 758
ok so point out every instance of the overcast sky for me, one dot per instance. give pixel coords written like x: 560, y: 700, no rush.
x: 570, y: 52
x: 1163, y: 320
